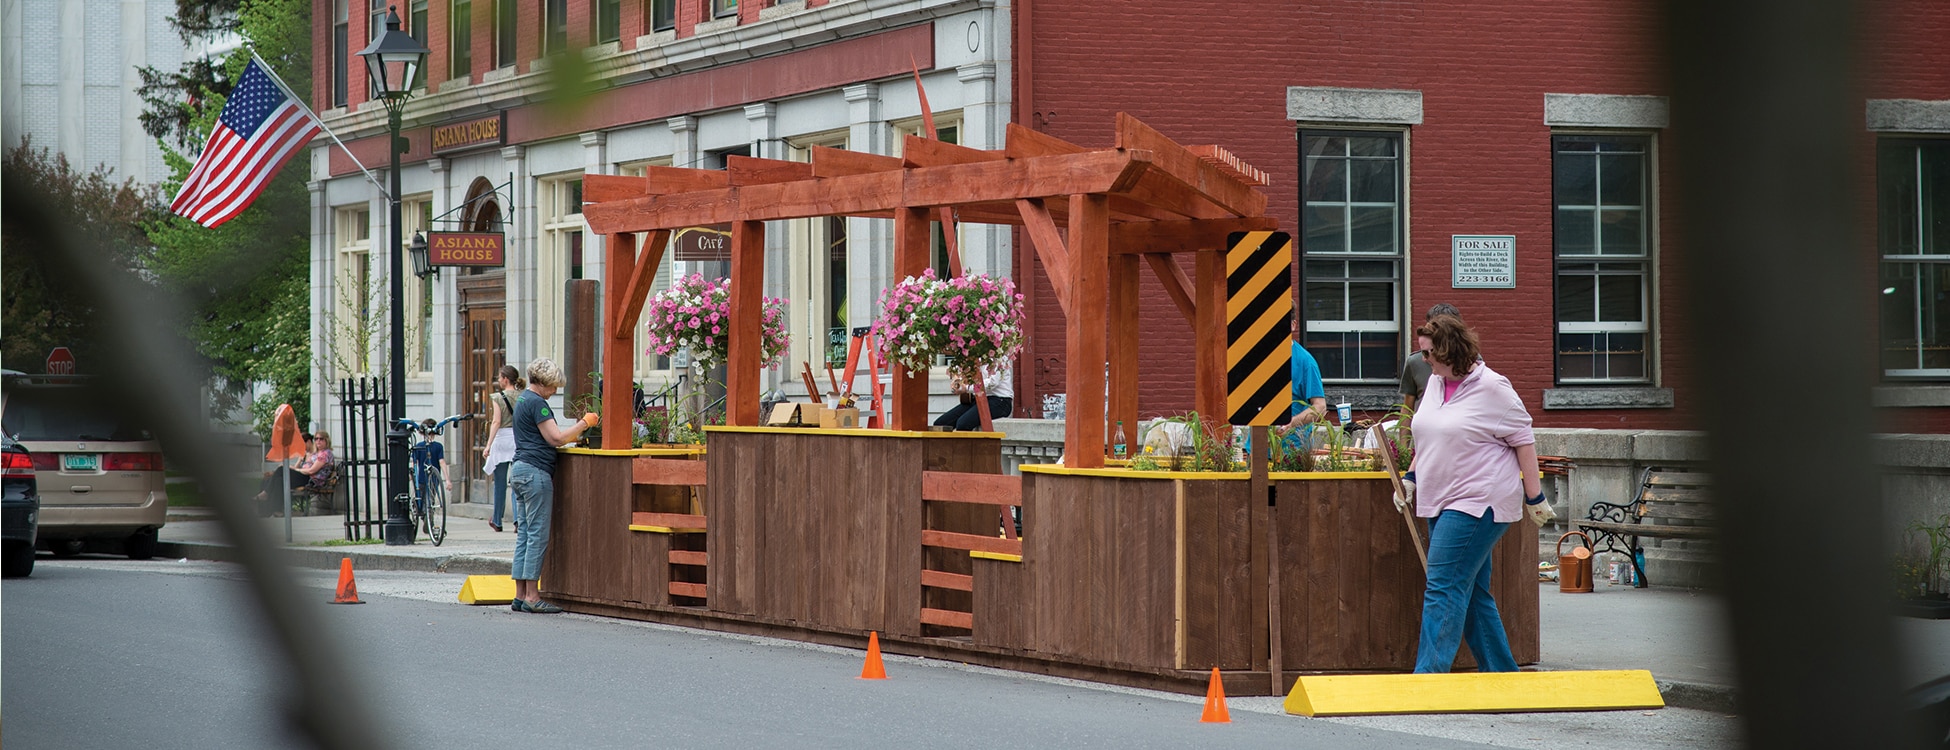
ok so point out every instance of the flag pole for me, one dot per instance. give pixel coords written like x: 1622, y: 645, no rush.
x: 314, y: 118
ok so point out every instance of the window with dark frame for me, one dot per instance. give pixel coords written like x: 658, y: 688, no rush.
x: 662, y: 14
x: 609, y: 21
x: 555, y: 26
x: 461, y: 39
x: 722, y: 8
x: 1351, y: 253
x: 1913, y: 238
x: 377, y: 24
x: 417, y: 26
x: 1602, y: 240
x: 341, y: 50
x: 504, y: 33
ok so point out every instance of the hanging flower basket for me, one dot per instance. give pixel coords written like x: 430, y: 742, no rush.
x: 695, y: 314
x: 975, y: 319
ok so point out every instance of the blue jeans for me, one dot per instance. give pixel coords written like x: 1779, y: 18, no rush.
x: 534, y: 500
x: 1457, y: 606
x: 500, y: 489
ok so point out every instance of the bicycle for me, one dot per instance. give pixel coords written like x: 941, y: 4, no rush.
x: 428, y: 490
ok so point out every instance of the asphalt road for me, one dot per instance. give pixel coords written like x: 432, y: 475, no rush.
x: 111, y: 653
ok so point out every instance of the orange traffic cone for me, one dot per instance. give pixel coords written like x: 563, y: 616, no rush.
x: 1215, y: 702
x: 873, y: 669
x: 348, y: 591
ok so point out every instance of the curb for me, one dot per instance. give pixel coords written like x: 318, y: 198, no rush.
x: 1698, y: 696
x: 327, y: 558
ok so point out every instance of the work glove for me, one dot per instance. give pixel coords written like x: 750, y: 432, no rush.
x: 590, y: 419
x: 1539, y: 511
x: 1406, y: 497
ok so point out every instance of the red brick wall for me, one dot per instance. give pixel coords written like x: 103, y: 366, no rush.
x: 1479, y: 163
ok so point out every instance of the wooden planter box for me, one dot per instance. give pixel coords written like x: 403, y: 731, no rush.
x: 1171, y: 571
x: 592, y: 554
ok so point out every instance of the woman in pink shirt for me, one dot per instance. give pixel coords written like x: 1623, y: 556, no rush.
x: 1475, y: 474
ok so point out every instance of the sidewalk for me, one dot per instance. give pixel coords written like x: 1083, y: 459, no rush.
x: 1673, y: 632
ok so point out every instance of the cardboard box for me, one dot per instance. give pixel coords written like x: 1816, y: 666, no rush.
x: 809, y: 415
x: 845, y: 419
x: 782, y: 415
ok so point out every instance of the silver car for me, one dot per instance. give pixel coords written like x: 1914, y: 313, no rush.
x: 100, y: 475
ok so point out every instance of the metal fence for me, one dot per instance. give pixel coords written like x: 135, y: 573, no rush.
x: 362, y: 414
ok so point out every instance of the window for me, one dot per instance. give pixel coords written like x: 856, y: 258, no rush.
x: 341, y: 49
x: 947, y: 129
x: 417, y: 26
x: 1602, y: 238
x: 504, y: 33
x: 1913, y: 234
x: 1351, y: 250
x: 461, y: 40
x: 416, y: 215
x: 559, y: 260
x: 817, y: 276
x: 662, y: 14
x: 376, y: 20
x: 358, y: 312
x: 722, y: 8
x: 609, y: 21
x: 649, y: 365
x: 555, y: 26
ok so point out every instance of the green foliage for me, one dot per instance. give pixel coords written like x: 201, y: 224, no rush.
x: 245, y: 283
x: 1211, y: 448
x: 1936, y: 535
x: 675, y: 423
x: 43, y: 311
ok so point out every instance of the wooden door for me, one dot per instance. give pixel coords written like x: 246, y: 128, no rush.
x: 484, y: 331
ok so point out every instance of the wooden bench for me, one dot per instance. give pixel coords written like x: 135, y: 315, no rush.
x: 1665, y: 494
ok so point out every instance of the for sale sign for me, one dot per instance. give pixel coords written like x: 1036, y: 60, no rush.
x: 1483, y: 261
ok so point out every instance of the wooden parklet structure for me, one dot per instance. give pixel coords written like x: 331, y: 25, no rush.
x: 1146, y: 198
x: 1140, y: 578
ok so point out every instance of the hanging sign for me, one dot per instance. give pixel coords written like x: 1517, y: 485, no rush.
x: 1259, y: 328
x: 1483, y: 261
x: 465, y: 248
x: 704, y: 243
x: 466, y: 134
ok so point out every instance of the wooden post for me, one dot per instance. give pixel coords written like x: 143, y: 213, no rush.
x: 619, y: 407
x: 1263, y: 508
x: 580, y: 335
x: 1123, y: 350
x: 1083, y: 440
x: 747, y: 324
x: 912, y: 242
x: 1209, y: 336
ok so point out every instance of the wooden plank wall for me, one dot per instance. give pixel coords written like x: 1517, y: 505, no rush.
x: 1000, y: 618
x: 1352, y: 585
x: 1220, y: 590
x: 964, y: 518
x: 591, y: 553
x: 825, y: 530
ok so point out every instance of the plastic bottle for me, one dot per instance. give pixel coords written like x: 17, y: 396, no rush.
x: 1117, y: 448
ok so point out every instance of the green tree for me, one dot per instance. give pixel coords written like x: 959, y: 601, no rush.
x: 41, y: 310
x: 246, y: 281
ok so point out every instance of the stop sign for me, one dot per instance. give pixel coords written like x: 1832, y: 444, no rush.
x: 60, y: 361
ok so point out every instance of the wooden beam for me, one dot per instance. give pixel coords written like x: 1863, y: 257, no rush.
x: 747, y: 300
x: 597, y: 188
x: 970, y: 542
x: 1225, y: 190
x: 912, y: 242
x: 1021, y: 143
x: 690, y: 557
x: 1219, y: 157
x: 1036, y: 222
x: 940, y: 580
x: 1157, y: 189
x: 947, y: 618
x: 1083, y: 434
x: 1122, y: 351
x: 852, y: 195
x: 618, y: 346
x: 1209, y: 336
x: 642, y: 277
x: 678, y: 472
x: 1184, y: 236
x: 668, y: 520
x: 839, y: 162
x: 603, y: 188
x: 963, y: 487
x: 1177, y: 285
x: 746, y: 170
x: 917, y: 151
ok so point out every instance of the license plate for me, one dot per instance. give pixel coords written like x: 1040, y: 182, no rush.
x: 81, y: 462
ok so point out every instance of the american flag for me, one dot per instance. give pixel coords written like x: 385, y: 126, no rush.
x: 259, y: 129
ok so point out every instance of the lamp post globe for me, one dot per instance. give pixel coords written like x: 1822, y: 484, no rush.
x: 393, y: 60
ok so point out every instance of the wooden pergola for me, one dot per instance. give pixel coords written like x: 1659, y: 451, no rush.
x: 1145, y: 198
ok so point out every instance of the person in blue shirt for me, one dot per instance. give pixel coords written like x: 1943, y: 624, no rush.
x: 1309, y: 394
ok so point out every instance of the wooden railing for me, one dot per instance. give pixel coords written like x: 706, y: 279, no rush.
x: 999, y: 491
x: 682, y: 534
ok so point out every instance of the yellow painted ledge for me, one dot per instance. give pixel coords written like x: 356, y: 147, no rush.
x: 487, y: 590
x: 855, y: 432
x: 1003, y: 556
x: 1479, y: 692
x: 1278, y: 476
x: 664, y: 529
x: 693, y: 451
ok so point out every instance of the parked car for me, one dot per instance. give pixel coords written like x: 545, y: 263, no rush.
x: 100, y: 474
x: 19, y: 512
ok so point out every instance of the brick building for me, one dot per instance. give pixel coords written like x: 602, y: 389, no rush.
x: 1391, y: 129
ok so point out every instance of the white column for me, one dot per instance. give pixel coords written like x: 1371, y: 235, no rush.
x: 324, y: 409
x: 870, y: 242
x: 523, y: 233
x: 449, y: 393
x: 72, y: 53
x: 595, y: 260
x: 985, y: 248
x: 683, y: 153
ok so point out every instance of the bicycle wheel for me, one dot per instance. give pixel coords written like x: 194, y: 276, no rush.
x: 436, y: 510
x: 415, y: 508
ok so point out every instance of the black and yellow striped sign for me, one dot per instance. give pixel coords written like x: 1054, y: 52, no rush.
x: 1259, y: 328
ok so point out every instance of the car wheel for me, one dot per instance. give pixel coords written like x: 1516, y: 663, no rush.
x: 65, y: 547
x: 141, y: 545
x: 18, y: 561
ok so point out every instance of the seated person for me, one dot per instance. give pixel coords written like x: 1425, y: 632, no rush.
x: 997, y: 386
x: 318, y: 456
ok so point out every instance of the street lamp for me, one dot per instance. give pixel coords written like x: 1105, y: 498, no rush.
x: 392, y: 60
x: 417, y: 250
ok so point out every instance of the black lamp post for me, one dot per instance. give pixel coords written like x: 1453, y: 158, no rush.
x: 392, y: 60
x: 417, y: 251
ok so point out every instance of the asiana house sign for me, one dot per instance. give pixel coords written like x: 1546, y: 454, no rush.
x: 465, y: 248
x: 468, y: 134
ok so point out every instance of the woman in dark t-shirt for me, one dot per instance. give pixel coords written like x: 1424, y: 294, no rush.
x: 532, y: 479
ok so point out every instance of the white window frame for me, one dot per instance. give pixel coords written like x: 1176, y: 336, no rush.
x: 419, y: 292
x: 552, y: 254
x: 352, y: 226
x: 1648, y: 262
x: 1399, y: 258
x: 650, y: 373
x: 809, y: 277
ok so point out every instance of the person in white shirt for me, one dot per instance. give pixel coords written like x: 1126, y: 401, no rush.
x: 998, y: 384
